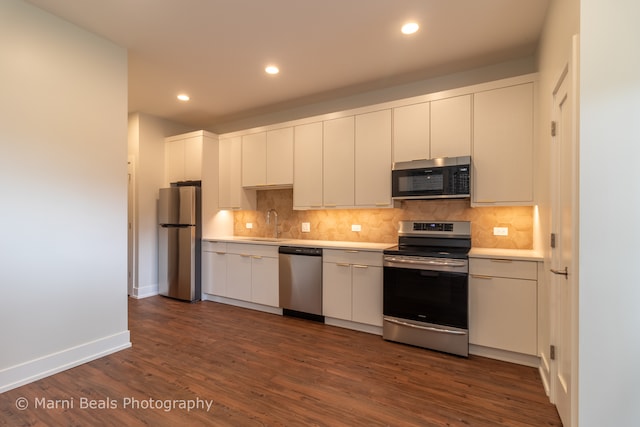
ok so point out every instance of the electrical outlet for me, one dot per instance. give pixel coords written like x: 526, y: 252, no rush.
x: 500, y: 231
x: 356, y: 227
x: 249, y: 225
x: 306, y: 227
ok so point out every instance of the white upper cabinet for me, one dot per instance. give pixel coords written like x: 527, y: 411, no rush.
x: 411, y: 137
x: 267, y: 158
x: 338, y: 162
x: 280, y: 157
x: 373, y: 159
x: 451, y: 127
x: 254, y: 159
x: 502, y: 155
x: 307, y: 161
x: 231, y: 195
x: 183, y: 157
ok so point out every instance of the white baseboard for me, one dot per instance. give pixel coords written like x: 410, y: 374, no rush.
x: 144, y: 292
x: 25, y: 373
x: 506, y: 356
x: 242, y: 304
x: 347, y: 324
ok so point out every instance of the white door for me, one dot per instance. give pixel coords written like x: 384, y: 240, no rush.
x: 564, y: 224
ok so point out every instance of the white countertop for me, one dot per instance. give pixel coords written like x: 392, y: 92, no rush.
x: 329, y: 244
x: 516, y: 254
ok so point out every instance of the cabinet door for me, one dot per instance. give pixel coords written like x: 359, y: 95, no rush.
x: 336, y: 290
x: 193, y: 158
x: 173, y: 161
x: 451, y: 127
x: 411, y: 139
x: 367, y: 294
x: 307, y: 174
x: 214, y: 273
x: 280, y: 157
x: 264, y: 283
x: 239, y: 276
x: 254, y: 159
x: 373, y: 159
x: 503, y: 146
x: 338, y: 162
x: 503, y: 313
x: 231, y: 195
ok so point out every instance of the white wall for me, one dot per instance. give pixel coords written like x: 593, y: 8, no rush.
x: 63, y: 151
x: 609, y: 371
x: 340, y: 101
x: 146, y: 146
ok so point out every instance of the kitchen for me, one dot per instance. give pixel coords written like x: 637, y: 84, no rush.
x: 370, y: 216
x: 597, y: 404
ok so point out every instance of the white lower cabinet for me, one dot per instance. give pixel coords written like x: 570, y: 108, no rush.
x: 264, y: 279
x: 214, y: 268
x: 352, y: 286
x: 239, y: 276
x: 241, y: 271
x: 503, y: 304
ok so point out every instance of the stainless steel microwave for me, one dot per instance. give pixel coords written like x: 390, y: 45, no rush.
x: 444, y: 178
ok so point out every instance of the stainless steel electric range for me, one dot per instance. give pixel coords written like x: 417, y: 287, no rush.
x: 426, y: 286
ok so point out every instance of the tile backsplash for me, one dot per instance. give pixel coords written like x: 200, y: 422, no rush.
x: 380, y: 225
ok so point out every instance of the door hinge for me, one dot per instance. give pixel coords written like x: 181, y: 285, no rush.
x: 552, y: 240
x: 553, y: 128
x: 552, y: 352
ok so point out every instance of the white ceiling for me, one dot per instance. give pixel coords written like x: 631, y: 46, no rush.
x: 216, y: 50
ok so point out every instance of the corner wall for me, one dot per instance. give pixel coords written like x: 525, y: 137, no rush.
x: 609, y: 276
x: 146, y: 146
x: 63, y: 162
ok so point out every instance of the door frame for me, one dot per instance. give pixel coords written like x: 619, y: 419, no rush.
x: 569, y: 71
x: 131, y: 225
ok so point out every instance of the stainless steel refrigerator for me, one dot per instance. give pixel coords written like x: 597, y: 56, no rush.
x: 180, y: 234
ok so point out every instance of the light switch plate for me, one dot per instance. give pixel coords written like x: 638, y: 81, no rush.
x: 356, y: 227
x: 500, y: 231
x: 249, y: 225
x: 306, y: 227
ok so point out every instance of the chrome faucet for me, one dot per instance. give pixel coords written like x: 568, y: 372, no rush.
x: 275, y: 214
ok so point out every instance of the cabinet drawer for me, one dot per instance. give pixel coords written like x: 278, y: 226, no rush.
x: 209, y: 246
x: 253, y: 250
x: 349, y: 256
x: 496, y: 267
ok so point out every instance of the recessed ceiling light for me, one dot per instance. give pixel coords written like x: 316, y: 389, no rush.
x: 183, y: 97
x: 272, y: 69
x: 410, y: 28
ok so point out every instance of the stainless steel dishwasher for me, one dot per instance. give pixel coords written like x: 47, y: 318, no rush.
x: 300, y: 271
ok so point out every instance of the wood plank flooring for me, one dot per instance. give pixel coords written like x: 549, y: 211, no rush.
x: 260, y: 369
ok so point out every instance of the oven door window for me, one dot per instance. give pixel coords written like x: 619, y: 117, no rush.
x: 426, y: 296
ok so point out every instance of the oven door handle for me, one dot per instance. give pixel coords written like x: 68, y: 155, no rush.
x: 426, y: 328
x: 426, y: 262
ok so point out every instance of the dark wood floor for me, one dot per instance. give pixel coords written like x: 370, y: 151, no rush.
x: 261, y: 369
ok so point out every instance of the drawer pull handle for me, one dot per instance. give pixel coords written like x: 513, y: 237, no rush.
x: 256, y: 257
x: 501, y: 260
x: 479, y: 276
x: 220, y: 253
x: 360, y: 266
x: 351, y: 251
x: 342, y: 264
